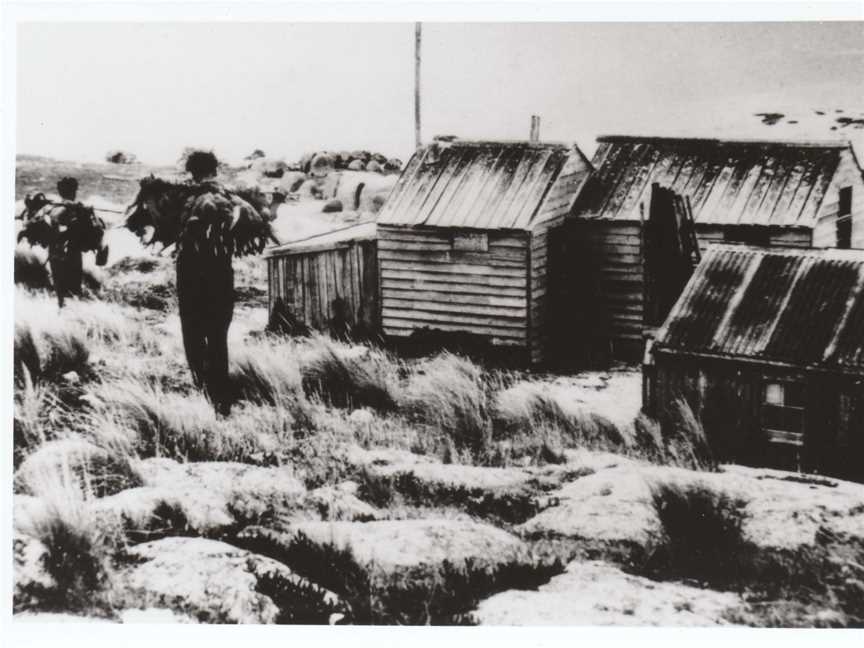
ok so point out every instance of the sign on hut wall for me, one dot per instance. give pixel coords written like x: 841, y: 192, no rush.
x: 471, y: 242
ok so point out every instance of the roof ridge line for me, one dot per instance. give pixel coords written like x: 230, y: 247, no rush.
x: 804, y: 143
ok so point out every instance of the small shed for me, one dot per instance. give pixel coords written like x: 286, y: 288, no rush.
x: 767, y: 346
x: 769, y: 193
x: 463, y: 240
x: 327, y: 282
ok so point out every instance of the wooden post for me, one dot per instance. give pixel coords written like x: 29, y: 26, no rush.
x: 535, y: 128
x: 417, y: 30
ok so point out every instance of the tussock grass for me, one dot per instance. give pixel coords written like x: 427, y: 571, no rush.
x: 47, y: 355
x: 267, y: 373
x: 31, y: 270
x: 529, y: 406
x: 677, y: 439
x: 702, y: 531
x: 349, y: 376
x: 77, y: 550
x: 182, y: 426
x: 32, y: 403
x: 450, y: 393
x: 142, y: 282
x: 100, y: 471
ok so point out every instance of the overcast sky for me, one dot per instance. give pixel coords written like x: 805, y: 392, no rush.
x: 150, y: 88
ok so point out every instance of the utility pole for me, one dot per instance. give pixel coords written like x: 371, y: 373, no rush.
x: 417, y: 84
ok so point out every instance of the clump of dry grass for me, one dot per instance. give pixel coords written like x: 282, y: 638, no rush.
x: 183, y: 426
x: 76, y: 550
x: 100, y: 471
x: 450, y: 393
x: 702, y: 531
x: 31, y: 270
x: 47, y: 355
x: 676, y: 439
x: 349, y: 376
x: 51, y: 342
x: 531, y: 407
x: 142, y: 282
x: 267, y: 373
x: 32, y: 402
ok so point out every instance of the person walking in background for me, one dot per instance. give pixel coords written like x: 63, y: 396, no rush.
x: 66, y: 229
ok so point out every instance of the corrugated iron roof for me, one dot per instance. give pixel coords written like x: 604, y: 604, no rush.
x: 481, y: 185
x: 728, y: 181
x: 798, y: 306
x: 357, y: 232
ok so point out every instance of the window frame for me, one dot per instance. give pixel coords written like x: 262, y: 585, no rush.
x: 786, y: 433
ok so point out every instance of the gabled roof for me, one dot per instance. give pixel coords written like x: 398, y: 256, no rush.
x: 482, y: 185
x: 803, y: 307
x: 742, y: 182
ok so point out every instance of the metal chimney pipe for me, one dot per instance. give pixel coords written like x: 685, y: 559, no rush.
x: 535, y: 128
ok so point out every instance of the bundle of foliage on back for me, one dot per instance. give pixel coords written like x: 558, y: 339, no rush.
x: 84, y: 229
x: 173, y: 213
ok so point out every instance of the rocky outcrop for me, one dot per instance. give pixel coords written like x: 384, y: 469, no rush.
x: 597, y: 593
x: 214, y: 582
x: 206, y: 498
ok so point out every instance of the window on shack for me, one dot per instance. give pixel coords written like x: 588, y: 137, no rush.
x: 844, y: 219
x: 783, y: 420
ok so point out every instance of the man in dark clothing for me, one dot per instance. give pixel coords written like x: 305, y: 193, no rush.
x: 205, y: 282
x: 64, y: 254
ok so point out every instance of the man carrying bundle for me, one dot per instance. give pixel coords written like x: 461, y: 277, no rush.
x: 67, y: 229
x: 209, y: 225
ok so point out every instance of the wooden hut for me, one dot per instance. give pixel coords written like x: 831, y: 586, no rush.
x: 761, y: 193
x: 462, y: 242
x: 767, y: 346
x: 327, y: 283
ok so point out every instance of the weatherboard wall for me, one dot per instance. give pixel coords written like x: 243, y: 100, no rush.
x: 848, y: 175
x: 427, y: 284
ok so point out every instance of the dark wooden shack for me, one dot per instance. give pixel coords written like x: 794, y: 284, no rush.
x: 799, y: 194
x: 767, y: 346
x: 327, y: 283
x: 463, y: 242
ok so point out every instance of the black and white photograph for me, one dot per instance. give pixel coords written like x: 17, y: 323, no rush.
x: 425, y: 322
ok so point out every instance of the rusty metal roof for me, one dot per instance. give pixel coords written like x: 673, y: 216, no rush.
x: 728, y: 181
x: 798, y: 306
x: 481, y: 185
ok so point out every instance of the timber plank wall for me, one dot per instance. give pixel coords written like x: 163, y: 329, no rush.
x: 601, y: 311
x: 727, y: 396
x: 330, y: 287
x: 425, y: 284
